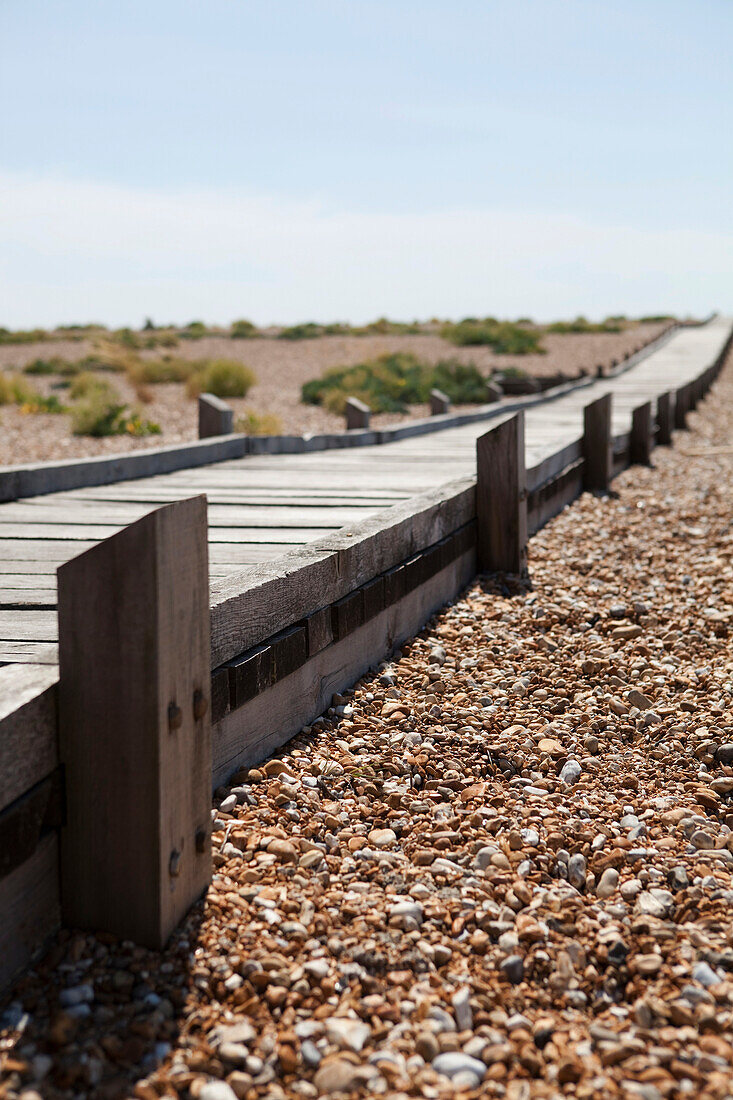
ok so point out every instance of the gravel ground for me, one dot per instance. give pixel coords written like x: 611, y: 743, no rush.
x: 282, y: 367
x: 501, y: 866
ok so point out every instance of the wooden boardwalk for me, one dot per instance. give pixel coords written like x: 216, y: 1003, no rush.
x: 262, y: 506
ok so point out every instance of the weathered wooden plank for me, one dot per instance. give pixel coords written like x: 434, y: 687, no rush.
x: 640, y: 444
x: 37, y: 550
x: 664, y: 419
x: 554, y: 464
x: 597, y: 446
x: 260, y: 601
x: 28, y: 626
x: 215, y: 416
x: 501, y: 498
x: 90, y: 532
x: 134, y: 726
x: 50, y: 477
x: 24, y: 599
x: 29, y: 653
x: 249, y: 734
x: 28, y: 728
x: 568, y: 490
x: 29, y: 909
x: 28, y: 581
x: 119, y: 514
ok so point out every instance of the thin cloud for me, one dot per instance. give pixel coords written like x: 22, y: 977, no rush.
x: 75, y: 250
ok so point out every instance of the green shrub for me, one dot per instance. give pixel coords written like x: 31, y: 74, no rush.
x: 40, y: 404
x: 29, y: 336
x: 656, y: 318
x: 383, y: 327
x: 222, y: 377
x: 503, y: 337
x: 100, y: 413
x: 167, y: 369
x: 582, y: 326
x: 243, y: 330
x: 194, y: 331
x: 392, y: 382
x: 306, y: 331
x: 55, y: 365
x: 87, y: 383
x: 135, y: 425
x: 107, y: 357
x: 463, y: 383
x: 14, y: 390
x: 254, y: 423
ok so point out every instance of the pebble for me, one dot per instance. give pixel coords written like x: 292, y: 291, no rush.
x: 513, y: 968
x: 462, y: 1009
x: 577, y: 871
x: 453, y: 1063
x: 570, y: 773
x: 704, y: 974
x: 216, y: 1090
x: 347, y: 1034
x: 607, y: 883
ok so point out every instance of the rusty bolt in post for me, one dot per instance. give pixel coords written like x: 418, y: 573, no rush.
x: 174, y: 865
x: 200, y: 840
x: 200, y: 704
x: 175, y: 717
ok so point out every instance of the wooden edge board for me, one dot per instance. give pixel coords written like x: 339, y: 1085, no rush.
x: 258, y: 601
x: 28, y: 727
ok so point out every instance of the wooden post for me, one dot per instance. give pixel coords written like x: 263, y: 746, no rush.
x: 501, y: 498
x: 357, y: 414
x: 215, y: 416
x: 598, y: 444
x: 641, y: 435
x: 664, y: 419
x: 135, y: 726
x: 681, y: 406
x: 439, y: 403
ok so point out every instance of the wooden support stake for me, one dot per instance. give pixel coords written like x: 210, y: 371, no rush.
x: 641, y: 435
x: 501, y: 498
x: 681, y: 407
x: 598, y: 444
x: 215, y: 416
x: 357, y: 414
x: 439, y: 403
x: 664, y: 419
x: 135, y: 726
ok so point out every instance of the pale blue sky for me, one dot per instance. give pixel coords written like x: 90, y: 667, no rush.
x: 286, y: 160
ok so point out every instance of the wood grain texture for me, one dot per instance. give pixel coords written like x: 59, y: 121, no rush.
x: 501, y: 498
x: 28, y: 728
x: 29, y: 909
x: 597, y: 445
x: 258, y: 602
x: 134, y: 640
